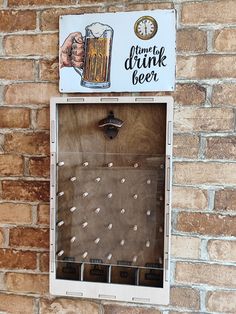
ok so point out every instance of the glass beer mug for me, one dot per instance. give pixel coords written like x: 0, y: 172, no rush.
x: 97, y: 60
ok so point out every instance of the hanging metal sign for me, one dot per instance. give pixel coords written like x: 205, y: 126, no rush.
x: 117, y: 52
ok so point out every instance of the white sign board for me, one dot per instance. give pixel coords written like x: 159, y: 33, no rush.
x: 118, y: 52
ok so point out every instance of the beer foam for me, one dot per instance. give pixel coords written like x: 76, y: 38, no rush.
x: 97, y: 29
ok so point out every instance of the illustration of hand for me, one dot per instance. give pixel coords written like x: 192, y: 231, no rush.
x: 71, y: 52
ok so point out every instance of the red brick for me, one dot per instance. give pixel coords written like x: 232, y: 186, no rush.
x: 189, y: 198
x: 209, y: 224
x: 16, y: 304
x: 43, y: 214
x: 50, y: 17
x: 14, y: 118
x: 191, y: 40
x: 221, y: 148
x: 206, y: 66
x: 225, y: 40
x: 31, y: 45
x: 12, y: 259
x: 185, y: 297
x: 186, y: 146
x: 49, y: 70
x: 224, y: 94
x: 70, y: 306
x: 189, y: 94
x: 119, y: 309
x: 221, y: 301
x: 208, y: 274
x: 39, y: 2
x: 11, y: 165
x: 203, y: 119
x: 204, y: 173
x: 29, y: 237
x: 27, y: 143
x: 12, y: 213
x: 43, y: 119
x: 44, y: 262
x: 25, y: 190
x: 2, y: 237
x: 225, y: 199
x: 12, y: 21
x: 206, y: 12
x: 30, y: 93
x: 222, y: 250
x: 11, y: 69
x: 39, y: 167
x: 28, y: 283
x: 148, y: 6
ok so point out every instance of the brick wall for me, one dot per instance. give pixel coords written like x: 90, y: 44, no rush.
x: 204, y: 195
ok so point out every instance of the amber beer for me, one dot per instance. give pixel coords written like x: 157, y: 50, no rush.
x: 97, y: 60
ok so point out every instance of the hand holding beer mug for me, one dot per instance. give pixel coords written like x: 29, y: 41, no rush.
x: 72, y: 51
x: 94, y: 55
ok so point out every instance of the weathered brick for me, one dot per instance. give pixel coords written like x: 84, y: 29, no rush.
x: 224, y: 94
x: 44, y: 262
x: 65, y: 305
x: 206, y: 66
x: 12, y: 213
x: 225, y: 40
x: 119, y: 309
x: 210, y: 224
x: 29, y: 283
x: 50, y: 17
x: 189, y: 94
x: 31, y: 45
x: 43, y: 214
x: 185, y: 247
x: 27, y: 143
x: 205, y: 12
x: 186, y: 146
x: 203, y: 119
x: 191, y: 40
x: 221, y: 301
x: 49, y: 70
x: 16, y: 304
x: 148, y: 6
x: 39, y: 2
x: 225, y: 199
x: 25, y: 190
x: 12, y: 21
x: 204, y: 173
x: 14, y: 118
x: 2, y: 238
x: 43, y: 119
x: 221, y: 148
x: 13, y: 259
x: 39, y: 167
x: 185, y: 297
x: 189, y: 198
x: 209, y: 274
x: 11, y: 69
x: 30, y: 93
x: 11, y: 165
x: 29, y: 237
x: 222, y: 250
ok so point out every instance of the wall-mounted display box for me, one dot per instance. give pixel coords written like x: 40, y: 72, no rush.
x: 111, y: 172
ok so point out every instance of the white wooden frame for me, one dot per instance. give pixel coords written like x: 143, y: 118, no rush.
x: 110, y: 291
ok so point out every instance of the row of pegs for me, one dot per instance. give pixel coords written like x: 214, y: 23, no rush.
x: 86, y: 164
x: 85, y: 194
x: 109, y: 256
x: 99, y: 179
